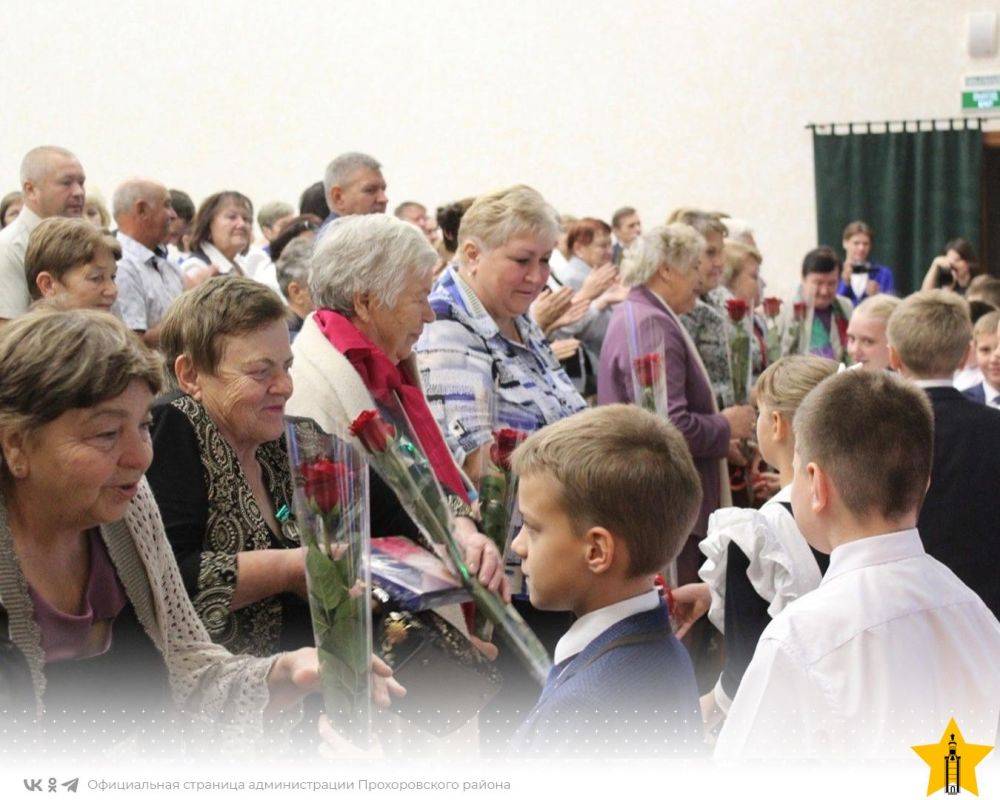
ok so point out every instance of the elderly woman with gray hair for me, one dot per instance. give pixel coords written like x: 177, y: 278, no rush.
x: 370, y: 277
x: 666, y: 283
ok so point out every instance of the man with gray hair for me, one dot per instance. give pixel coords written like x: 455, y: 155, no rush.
x: 147, y: 282
x: 52, y: 182
x: 353, y: 184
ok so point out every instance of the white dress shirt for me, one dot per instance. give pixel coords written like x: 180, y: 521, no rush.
x: 590, y: 626
x: 879, y: 657
x: 992, y: 396
x: 14, y: 297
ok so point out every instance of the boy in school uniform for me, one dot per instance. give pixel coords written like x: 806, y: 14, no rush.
x: 891, y: 645
x: 985, y: 340
x: 608, y: 497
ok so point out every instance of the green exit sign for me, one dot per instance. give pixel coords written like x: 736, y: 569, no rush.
x: 981, y: 100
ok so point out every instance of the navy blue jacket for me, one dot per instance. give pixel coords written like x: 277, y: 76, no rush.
x: 636, y: 699
x: 976, y: 393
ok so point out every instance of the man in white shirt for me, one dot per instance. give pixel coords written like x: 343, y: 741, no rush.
x: 147, y: 282
x: 52, y: 182
x: 891, y: 645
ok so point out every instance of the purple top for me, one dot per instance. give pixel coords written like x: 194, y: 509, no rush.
x: 65, y: 636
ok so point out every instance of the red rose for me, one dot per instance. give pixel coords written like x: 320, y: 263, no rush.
x: 737, y: 308
x: 373, y: 431
x: 647, y: 369
x: 323, y: 479
x: 772, y: 306
x: 505, y: 440
x: 800, y: 311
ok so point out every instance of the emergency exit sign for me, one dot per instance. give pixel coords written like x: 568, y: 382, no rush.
x: 981, y: 93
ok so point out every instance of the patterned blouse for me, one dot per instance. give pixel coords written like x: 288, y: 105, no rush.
x: 707, y: 325
x: 465, y: 361
x: 210, y: 515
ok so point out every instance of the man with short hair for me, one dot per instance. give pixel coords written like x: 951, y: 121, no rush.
x: 272, y: 217
x: 52, y: 182
x: 147, y: 282
x: 929, y: 336
x: 627, y: 229
x: 353, y: 184
x: 416, y: 214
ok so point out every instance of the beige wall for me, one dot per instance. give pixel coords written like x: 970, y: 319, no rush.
x: 598, y: 104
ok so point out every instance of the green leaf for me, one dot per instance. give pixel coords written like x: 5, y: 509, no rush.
x: 326, y: 583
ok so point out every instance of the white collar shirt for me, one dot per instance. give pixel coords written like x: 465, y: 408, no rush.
x: 992, y: 395
x: 879, y: 657
x: 14, y: 297
x: 590, y: 626
x: 147, y: 284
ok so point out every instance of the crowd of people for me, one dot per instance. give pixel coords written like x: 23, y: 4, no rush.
x: 793, y: 546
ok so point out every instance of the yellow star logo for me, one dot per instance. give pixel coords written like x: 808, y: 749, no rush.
x: 952, y: 761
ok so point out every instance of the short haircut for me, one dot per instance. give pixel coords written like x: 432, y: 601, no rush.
x: 879, y: 306
x: 8, y: 200
x: 313, y: 201
x: 499, y: 216
x: 340, y: 171
x: 293, y: 229
x: 704, y: 222
x: 985, y: 288
x: 56, y: 361
x: 734, y: 256
x: 449, y: 217
x: 182, y: 204
x: 987, y: 324
x: 784, y: 384
x: 60, y: 244
x: 367, y: 253
x: 584, y: 231
x: 271, y: 212
x: 130, y: 192
x: 873, y: 433
x: 226, y: 305
x: 977, y: 309
x: 38, y: 161
x: 677, y: 244
x: 931, y: 331
x: 822, y: 260
x: 293, y: 265
x: 403, y: 207
x: 621, y: 215
x: 210, y: 206
x: 625, y: 469
x: 856, y: 227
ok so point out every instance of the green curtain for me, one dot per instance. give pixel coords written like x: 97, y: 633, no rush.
x: 917, y: 189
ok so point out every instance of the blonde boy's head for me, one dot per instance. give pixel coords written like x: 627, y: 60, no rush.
x: 624, y: 469
x: 987, y: 351
x: 872, y: 434
x: 930, y: 333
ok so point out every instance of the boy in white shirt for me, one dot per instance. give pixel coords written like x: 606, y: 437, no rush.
x: 891, y: 645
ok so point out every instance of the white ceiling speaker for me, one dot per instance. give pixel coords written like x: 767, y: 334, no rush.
x: 983, y: 34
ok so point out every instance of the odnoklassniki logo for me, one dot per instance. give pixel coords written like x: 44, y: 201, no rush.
x: 952, y: 761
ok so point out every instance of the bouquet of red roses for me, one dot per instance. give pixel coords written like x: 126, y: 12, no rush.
x: 739, y: 349
x: 772, y: 333
x: 649, y: 368
x: 331, y: 520
x: 795, y: 340
x: 394, y: 452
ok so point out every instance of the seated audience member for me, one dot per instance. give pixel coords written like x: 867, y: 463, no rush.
x: 178, y: 239
x: 866, y: 340
x: 560, y: 253
x: 221, y: 236
x: 756, y: 562
x: 353, y: 184
x: 706, y: 322
x: 272, y: 219
x: 304, y: 226
x: 72, y: 262
x: 607, y: 499
x: 985, y: 289
x: 293, y: 278
x: 89, y: 585
x: 220, y: 468
x: 95, y: 212
x: 52, y: 183
x: 449, y: 217
x: 891, y: 644
x: 985, y: 340
x: 416, y: 214
x: 861, y: 277
x: 313, y: 201
x: 831, y: 313
x: 928, y: 338
x: 147, y: 282
x: 955, y: 269
x: 10, y: 206
x: 259, y: 261
x: 741, y: 279
x: 665, y: 282
x: 627, y: 229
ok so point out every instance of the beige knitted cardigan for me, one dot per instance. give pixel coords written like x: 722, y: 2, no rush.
x: 205, y: 679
